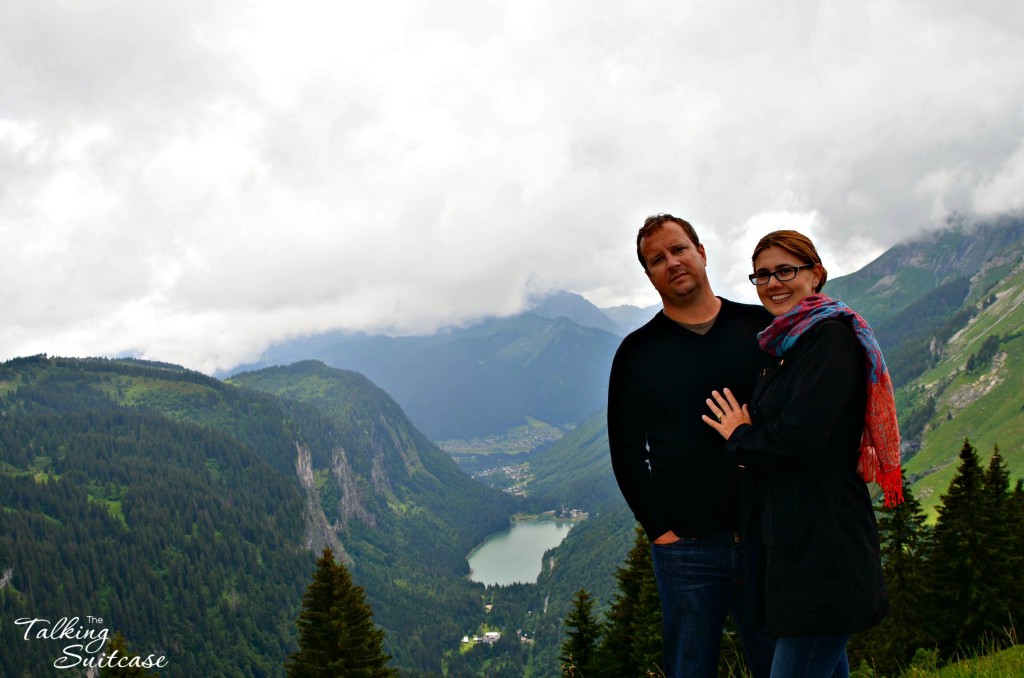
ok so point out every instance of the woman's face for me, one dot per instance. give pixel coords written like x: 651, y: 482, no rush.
x: 781, y: 296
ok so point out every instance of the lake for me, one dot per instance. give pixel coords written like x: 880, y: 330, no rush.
x: 516, y: 554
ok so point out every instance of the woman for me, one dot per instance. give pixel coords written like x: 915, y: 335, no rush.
x: 821, y: 422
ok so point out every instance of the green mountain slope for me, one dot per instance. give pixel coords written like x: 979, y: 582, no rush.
x: 402, y: 482
x: 177, y: 535
x: 976, y: 391
x: 576, y: 471
x: 934, y: 303
x: 187, y: 512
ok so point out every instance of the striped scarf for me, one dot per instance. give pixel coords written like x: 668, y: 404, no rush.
x: 880, y: 442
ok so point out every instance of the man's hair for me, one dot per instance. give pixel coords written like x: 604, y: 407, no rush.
x: 797, y: 244
x: 653, y: 224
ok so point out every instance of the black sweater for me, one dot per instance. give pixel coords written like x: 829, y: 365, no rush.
x: 668, y: 462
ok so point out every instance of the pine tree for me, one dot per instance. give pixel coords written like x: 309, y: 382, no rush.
x: 1015, y: 528
x: 363, y: 643
x: 631, y: 643
x: 317, y: 645
x: 337, y: 636
x: 998, y: 554
x: 960, y: 586
x: 584, y: 634
x: 905, y: 540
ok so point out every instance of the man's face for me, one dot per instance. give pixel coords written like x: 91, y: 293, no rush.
x: 675, y: 266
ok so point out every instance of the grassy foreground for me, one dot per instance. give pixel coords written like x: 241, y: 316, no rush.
x: 1001, y: 664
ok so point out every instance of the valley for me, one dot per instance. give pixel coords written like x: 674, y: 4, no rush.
x: 186, y: 511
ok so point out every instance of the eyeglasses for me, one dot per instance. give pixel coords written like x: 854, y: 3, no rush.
x: 782, y: 275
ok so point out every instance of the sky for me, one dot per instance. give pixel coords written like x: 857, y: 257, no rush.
x: 193, y: 181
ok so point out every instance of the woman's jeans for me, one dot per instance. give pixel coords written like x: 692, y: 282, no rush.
x: 699, y: 581
x: 814, y: 657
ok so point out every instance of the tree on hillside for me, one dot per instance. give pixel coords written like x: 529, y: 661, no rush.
x: 905, y: 540
x: 984, y: 355
x: 337, y: 636
x: 584, y: 633
x: 632, y: 635
x: 962, y: 588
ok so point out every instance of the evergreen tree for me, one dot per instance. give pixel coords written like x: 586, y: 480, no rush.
x: 1015, y: 528
x: 905, y: 540
x: 316, y: 633
x: 1000, y: 561
x: 631, y: 643
x: 961, y: 587
x: 363, y: 643
x: 584, y: 634
x: 337, y: 636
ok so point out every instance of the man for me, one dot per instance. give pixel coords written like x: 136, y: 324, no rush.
x: 668, y: 462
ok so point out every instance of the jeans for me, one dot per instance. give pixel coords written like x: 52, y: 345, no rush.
x: 699, y: 580
x: 813, y: 657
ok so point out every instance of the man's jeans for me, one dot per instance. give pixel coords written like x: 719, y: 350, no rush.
x: 699, y: 580
x: 813, y: 657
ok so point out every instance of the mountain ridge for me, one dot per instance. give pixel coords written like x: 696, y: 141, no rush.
x: 909, y: 270
x: 479, y: 380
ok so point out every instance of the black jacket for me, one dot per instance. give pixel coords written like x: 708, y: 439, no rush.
x: 823, y: 572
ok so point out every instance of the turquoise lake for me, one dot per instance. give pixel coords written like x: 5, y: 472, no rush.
x: 516, y: 554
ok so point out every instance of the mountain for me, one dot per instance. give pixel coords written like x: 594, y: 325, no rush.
x: 907, y: 272
x: 575, y: 308
x: 187, y: 512
x: 479, y: 380
x: 947, y: 311
x: 629, y: 318
x: 619, y: 320
x: 973, y: 390
x: 397, y: 475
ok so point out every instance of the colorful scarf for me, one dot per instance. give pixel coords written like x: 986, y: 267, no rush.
x: 880, y: 443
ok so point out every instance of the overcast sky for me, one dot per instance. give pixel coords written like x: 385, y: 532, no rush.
x: 191, y: 180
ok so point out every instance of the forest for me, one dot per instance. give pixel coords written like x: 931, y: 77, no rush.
x: 166, y: 504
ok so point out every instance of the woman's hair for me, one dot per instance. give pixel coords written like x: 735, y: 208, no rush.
x: 797, y: 244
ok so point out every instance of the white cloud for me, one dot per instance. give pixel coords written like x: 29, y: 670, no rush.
x: 1002, y: 191
x: 193, y: 180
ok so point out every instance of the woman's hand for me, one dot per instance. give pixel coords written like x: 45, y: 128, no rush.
x: 729, y: 414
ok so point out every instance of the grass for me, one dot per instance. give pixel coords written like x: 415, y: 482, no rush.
x: 988, y: 659
x: 1008, y: 662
